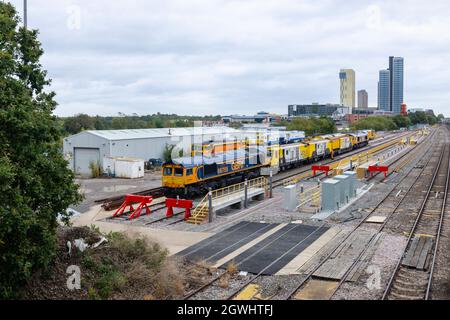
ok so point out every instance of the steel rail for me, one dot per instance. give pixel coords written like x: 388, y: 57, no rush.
x: 381, y: 228
x: 247, y: 258
x: 265, y: 246
x: 278, y: 181
x: 406, y: 155
x: 411, y: 233
x: 439, y: 232
x: 234, y: 293
x: 310, y: 274
x: 163, y: 218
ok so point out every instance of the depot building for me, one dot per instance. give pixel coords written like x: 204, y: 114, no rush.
x: 99, y: 146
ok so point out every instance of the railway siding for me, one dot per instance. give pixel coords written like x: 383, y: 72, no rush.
x: 412, y: 277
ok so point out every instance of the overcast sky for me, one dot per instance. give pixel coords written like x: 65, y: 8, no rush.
x: 236, y: 56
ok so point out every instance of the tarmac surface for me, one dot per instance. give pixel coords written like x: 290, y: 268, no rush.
x: 101, y: 188
x: 267, y: 256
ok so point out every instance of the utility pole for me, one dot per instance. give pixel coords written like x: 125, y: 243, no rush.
x: 25, y: 14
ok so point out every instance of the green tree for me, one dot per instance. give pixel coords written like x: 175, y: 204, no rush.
x: 313, y: 126
x: 431, y: 120
x: 378, y: 123
x: 119, y: 123
x: 402, y: 121
x: 99, y: 124
x: 35, y: 183
x: 158, y: 123
x: 418, y: 117
x: 421, y: 117
x: 78, y: 123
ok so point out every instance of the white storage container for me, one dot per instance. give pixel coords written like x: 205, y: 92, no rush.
x: 130, y: 168
x: 109, y: 166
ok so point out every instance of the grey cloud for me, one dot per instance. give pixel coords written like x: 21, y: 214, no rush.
x: 217, y: 56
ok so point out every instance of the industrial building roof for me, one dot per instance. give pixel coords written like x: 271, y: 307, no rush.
x: 158, y: 133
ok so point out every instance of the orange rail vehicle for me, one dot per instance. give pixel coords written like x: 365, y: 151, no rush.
x: 214, y: 147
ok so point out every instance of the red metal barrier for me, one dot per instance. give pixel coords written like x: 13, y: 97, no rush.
x: 179, y: 203
x: 130, y: 199
x: 373, y: 169
x: 325, y: 169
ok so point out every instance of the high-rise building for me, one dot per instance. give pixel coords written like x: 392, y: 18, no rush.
x: 347, y: 78
x: 363, y: 99
x: 390, y: 86
x: 384, y: 90
x: 396, y: 69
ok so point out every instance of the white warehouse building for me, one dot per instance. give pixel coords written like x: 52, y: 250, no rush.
x: 99, y: 145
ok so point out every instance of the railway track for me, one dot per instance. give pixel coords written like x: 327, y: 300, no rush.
x: 388, y: 199
x: 412, y: 277
x: 405, y: 159
x: 252, y: 278
x: 154, y: 208
x: 406, y: 180
x: 115, y: 202
x: 390, y: 163
x: 411, y: 180
x: 290, y: 173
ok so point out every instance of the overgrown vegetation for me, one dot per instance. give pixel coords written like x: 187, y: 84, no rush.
x: 385, y: 123
x: 35, y: 183
x: 96, y: 169
x: 131, y: 267
x: 124, y: 267
x: 167, y: 153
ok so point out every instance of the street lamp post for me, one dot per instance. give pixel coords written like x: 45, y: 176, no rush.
x: 25, y: 14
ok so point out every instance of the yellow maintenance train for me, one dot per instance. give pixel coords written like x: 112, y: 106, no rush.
x: 236, y: 162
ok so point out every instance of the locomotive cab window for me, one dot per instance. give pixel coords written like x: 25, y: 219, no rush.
x: 167, y: 171
x: 179, y: 172
x: 189, y: 172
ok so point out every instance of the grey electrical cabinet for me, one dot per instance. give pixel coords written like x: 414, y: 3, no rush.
x: 330, y: 194
x: 352, y: 182
x: 290, y: 198
x: 344, y: 190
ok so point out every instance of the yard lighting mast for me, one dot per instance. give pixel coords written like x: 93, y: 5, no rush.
x: 25, y: 14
